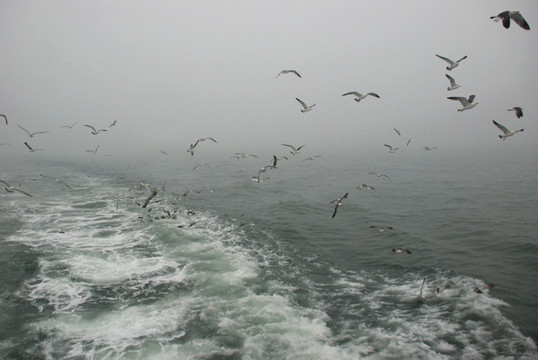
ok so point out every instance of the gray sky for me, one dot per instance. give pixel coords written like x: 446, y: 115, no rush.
x: 170, y: 72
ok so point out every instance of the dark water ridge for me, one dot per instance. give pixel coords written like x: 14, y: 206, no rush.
x: 262, y: 271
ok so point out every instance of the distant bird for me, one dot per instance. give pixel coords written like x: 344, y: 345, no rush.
x: 34, y: 133
x: 427, y: 148
x: 452, y: 64
x: 453, y: 85
x: 312, y: 157
x: 93, y: 151
x: 359, y: 96
x: 198, y: 165
x: 379, y: 175
x: 11, y: 189
x: 58, y: 180
x: 505, y: 16
x: 518, y: 110
x: 30, y: 148
x: 420, y: 293
x: 4, y: 116
x: 69, y: 126
x: 381, y: 228
x: 164, y: 152
x: 365, y: 187
x: 260, y: 172
x: 400, y: 251
x: 408, y: 142
x: 293, y: 150
x: 287, y: 72
x: 94, y: 130
x: 274, y: 164
x: 244, y: 155
x: 306, y: 108
x: 391, y: 149
x: 191, y: 148
x: 113, y: 124
x: 467, y: 103
x: 506, y: 132
x: 397, y: 132
x: 338, y: 202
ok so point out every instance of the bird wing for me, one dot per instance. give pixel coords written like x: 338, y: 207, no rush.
x: 390, y: 147
x: 22, y: 192
x: 461, y: 99
x: 300, y: 147
x: 295, y: 72
x: 91, y: 127
x: 503, y: 129
x: 445, y: 59
x: 4, y: 116
x: 373, y: 94
x: 451, y: 79
x: 5, y: 183
x: 463, y: 58
x: 471, y: 98
x: 302, y: 103
x: 520, y: 20
x: 24, y: 129
x: 210, y: 138
x: 335, y: 208
x: 28, y: 146
x: 353, y: 93
x: 291, y: 146
x: 397, y: 131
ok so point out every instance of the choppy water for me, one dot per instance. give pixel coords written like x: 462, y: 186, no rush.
x: 263, y: 272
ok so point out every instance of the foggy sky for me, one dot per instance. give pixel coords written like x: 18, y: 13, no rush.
x: 170, y: 72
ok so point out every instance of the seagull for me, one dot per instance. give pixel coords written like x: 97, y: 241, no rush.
x: 408, y: 142
x: 518, y: 110
x: 164, y: 152
x: 32, y: 134
x: 400, y: 251
x: 379, y: 175
x: 427, y: 148
x: 312, y: 157
x: 191, y: 148
x: 452, y: 63
x: 69, y: 126
x: 391, y: 149
x: 453, y: 85
x: 505, y: 16
x: 397, y: 132
x: 359, y: 96
x: 338, y: 203
x: 200, y: 164
x: 421, y: 286
x: 365, y: 187
x: 93, y: 151
x: 294, y: 150
x: 58, y: 180
x: 94, y: 131
x: 244, y: 155
x: 258, y: 177
x: 466, y: 103
x: 113, y: 124
x: 381, y: 228
x: 11, y: 189
x: 305, y: 107
x: 506, y: 132
x: 4, y: 116
x: 29, y: 147
x: 287, y: 72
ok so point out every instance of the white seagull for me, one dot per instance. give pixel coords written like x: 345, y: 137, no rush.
x: 505, y: 16
x: 69, y: 126
x: 359, y: 96
x: 338, y: 202
x: 11, y: 189
x: 306, y: 108
x: 34, y: 133
x: 518, y: 110
x: 294, y: 150
x: 94, y: 130
x: 287, y: 72
x: 421, y: 286
x: 467, y: 103
x: 30, y: 148
x: 379, y: 175
x: 191, y: 148
x: 58, y: 180
x: 506, y: 132
x: 453, y: 85
x: 452, y: 63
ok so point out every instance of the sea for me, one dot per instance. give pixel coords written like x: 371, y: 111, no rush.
x: 150, y: 259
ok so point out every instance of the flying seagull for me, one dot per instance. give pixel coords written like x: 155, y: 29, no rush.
x: 505, y: 16
x: 58, y: 180
x: 34, y: 133
x: 381, y: 228
x: 30, y: 148
x: 11, y: 189
x: 365, y: 187
x: 244, y: 155
x: 198, y: 165
x: 338, y: 202
x: 391, y: 149
x: 408, y: 142
x: 4, y: 116
x: 452, y: 63
x: 93, y: 151
x: 164, y: 152
x: 95, y: 131
x: 400, y: 251
x: 287, y: 72
x: 427, y: 148
x: 69, y: 126
x: 113, y: 124
x: 379, y: 175
x: 518, y: 110
x: 421, y: 286
x: 453, y: 85
x: 191, y: 148
x: 397, y: 132
x: 506, y: 132
x: 359, y: 96
x: 312, y: 157
x: 467, y: 103
x: 294, y: 150
x: 306, y: 108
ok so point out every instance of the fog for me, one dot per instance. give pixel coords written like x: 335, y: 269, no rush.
x: 170, y: 72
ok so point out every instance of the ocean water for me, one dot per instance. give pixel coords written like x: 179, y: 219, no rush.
x: 218, y: 266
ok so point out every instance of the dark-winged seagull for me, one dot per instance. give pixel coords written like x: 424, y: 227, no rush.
x: 391, y: 149
x: 94, y: 130
x: 505, y: 16
x: 11, y: 189
x: 294, y: 150
x: 306, y: 108
x: 506, y: 132
x: 467, y: 103
x: 359, y: 96
x: 338, y: 202
x: 191, y: 148
x: 518, y: 110
x: 452, y: 64
x: 453, y: 85
x: 287, y: 72
x: 34, y: 133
